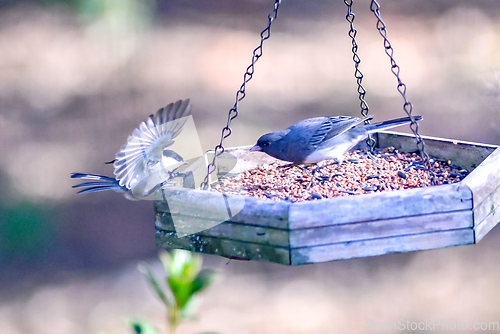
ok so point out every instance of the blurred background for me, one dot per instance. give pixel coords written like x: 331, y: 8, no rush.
x: 76, y: 77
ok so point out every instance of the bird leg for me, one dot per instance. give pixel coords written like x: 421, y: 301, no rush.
x: 288, y: 166
x: 318, y: 168
x: 304, y: 169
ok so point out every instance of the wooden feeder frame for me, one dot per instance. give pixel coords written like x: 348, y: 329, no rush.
x: 343, y: 227
x: 346, y: 227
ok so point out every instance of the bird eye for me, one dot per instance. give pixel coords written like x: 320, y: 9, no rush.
x: 266, y: 143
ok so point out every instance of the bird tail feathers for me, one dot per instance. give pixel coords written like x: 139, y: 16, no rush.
x: 98, y: 183
x: 393, y: 123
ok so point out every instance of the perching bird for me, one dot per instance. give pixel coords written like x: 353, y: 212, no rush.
x: 143, y: 163
x: 316, y: 139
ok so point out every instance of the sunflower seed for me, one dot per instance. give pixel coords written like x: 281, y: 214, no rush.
x: 316, y: 196
x: 350, y: 192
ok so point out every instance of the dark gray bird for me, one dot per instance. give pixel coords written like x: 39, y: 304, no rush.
x: 316, y: 139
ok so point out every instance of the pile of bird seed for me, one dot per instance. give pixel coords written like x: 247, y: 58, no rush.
x: 361, y: 172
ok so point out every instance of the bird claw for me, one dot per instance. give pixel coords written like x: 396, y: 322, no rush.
x: 319, y: 168
x: 288, y: 166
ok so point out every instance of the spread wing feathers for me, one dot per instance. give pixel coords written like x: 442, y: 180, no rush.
x: 146, y: 143
x: 99, y: 183
x: 334, y: 126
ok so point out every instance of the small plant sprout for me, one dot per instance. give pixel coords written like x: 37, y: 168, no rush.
x: 184, y: 280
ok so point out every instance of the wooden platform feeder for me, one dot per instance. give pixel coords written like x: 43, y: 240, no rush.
x: 346, y: 227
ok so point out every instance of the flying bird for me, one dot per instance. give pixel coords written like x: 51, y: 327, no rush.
x: 144, y: 163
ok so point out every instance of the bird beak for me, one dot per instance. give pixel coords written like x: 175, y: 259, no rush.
x: 255, y: 149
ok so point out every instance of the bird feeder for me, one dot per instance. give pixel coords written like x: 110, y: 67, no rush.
x: 344, y: 227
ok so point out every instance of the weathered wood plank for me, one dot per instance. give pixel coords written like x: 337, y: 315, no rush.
x: 381, y: 229
x: 327, y: 234
x: 485, y: 178
x: 487, y: 207
x: 348, y: 250
x: 263, y: 212
x: 211, y: 206
x: 379, y: 206
x: 206, y: 208
x: 465, y: 154
x: 223, y: 247
x: 487, y: 224
x: 487, y: 214
x: 230, y: 230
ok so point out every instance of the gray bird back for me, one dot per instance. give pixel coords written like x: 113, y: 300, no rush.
x: 332, y: 127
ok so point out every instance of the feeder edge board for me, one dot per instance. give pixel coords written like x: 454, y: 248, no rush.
x: 409, y: 243
x: 484, y: 182
x: 206, y: 205
x: 371, y: 230
x: 232, y: 230
x: 322, y: 253
x: 378, y: 206
x: 227, y: 248
x: 349, y: 209
x: 329, y: 234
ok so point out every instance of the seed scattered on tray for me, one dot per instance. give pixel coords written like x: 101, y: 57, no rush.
x: 361, y: 173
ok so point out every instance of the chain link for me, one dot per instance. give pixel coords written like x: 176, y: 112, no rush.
x: 357, y: 73
x: 241, y: 93
x: 407, y: 106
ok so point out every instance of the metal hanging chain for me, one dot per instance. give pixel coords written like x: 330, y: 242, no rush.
x: 357, y: 73
x: 241, y: 93
x: 407, y: 106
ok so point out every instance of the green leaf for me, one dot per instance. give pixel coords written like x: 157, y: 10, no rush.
x: 202, y: 280
x: 142, y: 327
x: 180, y: 289
x: 146, y: 270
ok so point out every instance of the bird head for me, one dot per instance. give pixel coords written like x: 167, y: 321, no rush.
x: 267, y: 142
